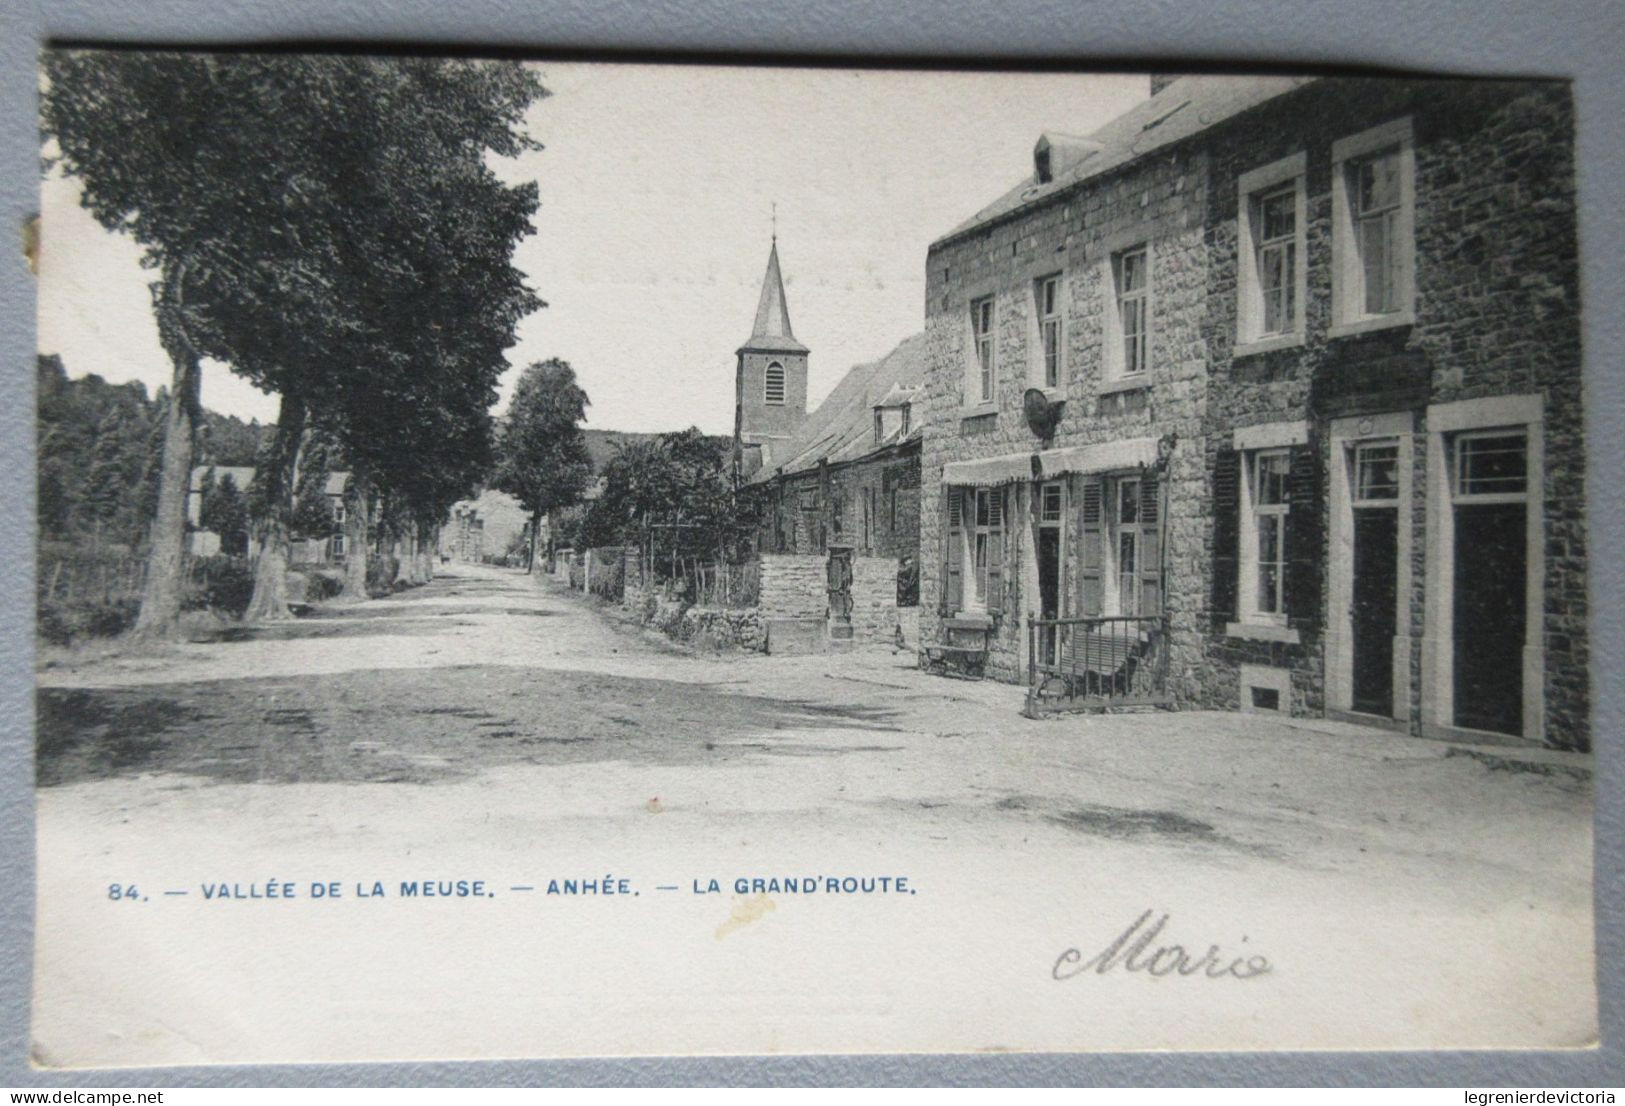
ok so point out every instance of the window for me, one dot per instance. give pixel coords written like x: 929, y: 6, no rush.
x: 1128, y: 547
x: 1277, y: 258
x: 981, y: 318
x: 987, y: 547
x: 1047, y: 293
x: 337, y: 545
x: 1376, y: 473
x: 1129, y: 326
x: 902, y: 431
x: 1373, y: 201
x: 880, y: 427
x: 1270, y: 259
x: 974, y: 554
x: 1490, y: 466
x: 338, y: 512
x: 1267, y: 473
x: 773, y: 385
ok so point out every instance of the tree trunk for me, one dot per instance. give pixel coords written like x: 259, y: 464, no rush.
x: 357, y: 505
x: 535, y: 529
x: 161, y: 595
x: 425, y: 550
x: 270, y: 600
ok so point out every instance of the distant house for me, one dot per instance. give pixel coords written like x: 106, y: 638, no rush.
x: 206, y: 543
x: 486, y: 526
x: 328, y: 548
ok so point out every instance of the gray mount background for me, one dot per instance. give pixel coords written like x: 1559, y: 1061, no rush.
x: 1580, y: 39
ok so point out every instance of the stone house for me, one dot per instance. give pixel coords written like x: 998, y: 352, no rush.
x: 1242, y: 371
x: 851, y: 474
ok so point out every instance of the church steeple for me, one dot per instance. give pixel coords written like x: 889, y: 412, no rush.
x: 770, y: 378
x: 771, y: 331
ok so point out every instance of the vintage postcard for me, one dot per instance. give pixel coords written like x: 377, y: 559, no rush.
x: 591, y: 559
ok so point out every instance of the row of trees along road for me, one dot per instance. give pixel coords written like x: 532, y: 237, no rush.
x: 330, y: 229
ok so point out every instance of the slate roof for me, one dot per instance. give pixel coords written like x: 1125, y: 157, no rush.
x: 1186, y: 107
x: 842, y: 428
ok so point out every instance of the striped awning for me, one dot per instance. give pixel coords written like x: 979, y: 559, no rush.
x: 1126, y: 453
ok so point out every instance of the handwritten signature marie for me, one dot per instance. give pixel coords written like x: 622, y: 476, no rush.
x: 1131, y: 951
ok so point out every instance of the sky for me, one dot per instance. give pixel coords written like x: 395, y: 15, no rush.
x: 659, y: 186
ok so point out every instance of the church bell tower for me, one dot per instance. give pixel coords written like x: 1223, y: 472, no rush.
x: 770, y: 381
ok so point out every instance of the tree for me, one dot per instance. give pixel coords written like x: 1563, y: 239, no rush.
x: 224, y: 510
x: 672, y: 496
x: 543, y: 460
x: 306, y: 216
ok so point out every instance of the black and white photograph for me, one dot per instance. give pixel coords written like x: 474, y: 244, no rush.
x: 597, y: 558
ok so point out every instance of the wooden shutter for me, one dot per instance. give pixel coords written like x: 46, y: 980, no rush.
x: 995, y: 550
x: 1151, y: 514
x: 1091, y: 549
x: 1226, y: 534
x: 953, y: 553
x: 1303, y: 538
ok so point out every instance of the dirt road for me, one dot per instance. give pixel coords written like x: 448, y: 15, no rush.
x: 490, y: 727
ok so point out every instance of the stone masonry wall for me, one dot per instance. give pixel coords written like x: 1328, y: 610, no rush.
x: 794, y: 585
x: 1496, y: 314
x: 1160, y: 201
x: 874, y: 600
x: 799, y: 519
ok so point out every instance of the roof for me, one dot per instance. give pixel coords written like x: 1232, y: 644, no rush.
x: 336, y: 483
x: 842, y: 428
x: 1186, y: 107
x: 241, y: 475
x: 771, y: 332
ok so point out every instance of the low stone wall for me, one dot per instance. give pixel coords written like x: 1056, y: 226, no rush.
x: 704, y: 627
x: 794, y: 585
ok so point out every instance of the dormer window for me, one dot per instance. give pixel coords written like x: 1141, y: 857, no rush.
x: 773, y: 385
x: 1041, y: 163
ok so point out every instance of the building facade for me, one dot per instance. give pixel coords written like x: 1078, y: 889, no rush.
x: 852, y: 475
x: 1251, y: 370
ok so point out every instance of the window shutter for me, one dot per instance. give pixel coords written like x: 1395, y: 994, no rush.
x: 1303, y: 570
x: 995, y: 551
x: 953, y: 553
x: 1091, y: 536
x: 1150, y: 545
x: 1226, y: 533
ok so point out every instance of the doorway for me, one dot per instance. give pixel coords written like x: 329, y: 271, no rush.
x: 1489, y: 478
x: 1051, y: 511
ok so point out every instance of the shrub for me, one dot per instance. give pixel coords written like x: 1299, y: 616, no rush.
x: 222, y: 584
x: 323, y: 585
x: 60, y: 623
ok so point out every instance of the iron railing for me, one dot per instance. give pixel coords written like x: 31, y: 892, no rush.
x: 1097, y: 663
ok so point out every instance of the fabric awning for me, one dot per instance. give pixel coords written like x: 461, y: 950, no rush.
x: 1126, y: 453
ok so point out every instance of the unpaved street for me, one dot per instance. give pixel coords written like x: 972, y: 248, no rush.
x: 494, y: 727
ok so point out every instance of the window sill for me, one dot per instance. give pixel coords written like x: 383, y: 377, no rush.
x: 1261, y: 631
x: 1129, y: 384
x: 1371, y: 325
x: 978, y: 410
x: 1272, y: 344
x: 970, y: 620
